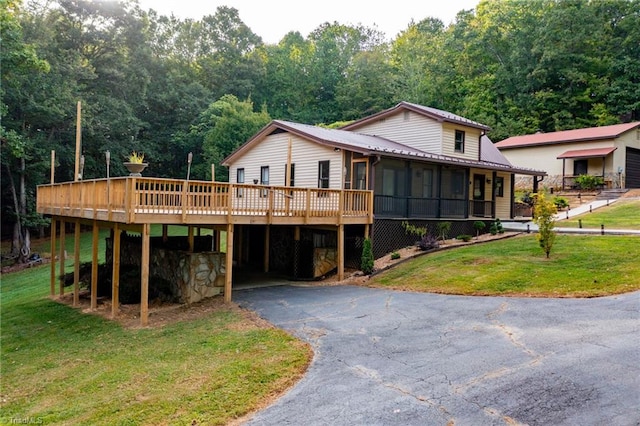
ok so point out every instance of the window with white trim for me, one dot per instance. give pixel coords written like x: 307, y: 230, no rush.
x: 459, y: 141
x: 323, y: 174
x: 240, y: 179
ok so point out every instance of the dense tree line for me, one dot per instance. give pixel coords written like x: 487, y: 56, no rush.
x: 167, y: 87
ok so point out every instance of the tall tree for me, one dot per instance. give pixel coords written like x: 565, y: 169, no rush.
x: 421, y: 67
x: 368, y: 85
x: 335, y: 47
x: 287, y: 86
x: 224, y: 126
x: 19, y: 59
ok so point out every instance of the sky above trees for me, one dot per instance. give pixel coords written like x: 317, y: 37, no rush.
x: 271, y: 20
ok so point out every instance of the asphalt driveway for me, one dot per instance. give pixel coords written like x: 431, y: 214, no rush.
x: 399, y: 358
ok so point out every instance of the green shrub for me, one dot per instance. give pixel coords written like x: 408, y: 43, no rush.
x: 414, y: 230
x: 496, y: 227
x: 589, y: 182
x: 366, y: 263
x: 464, y: 237
x: 560, y: 202
x: 524, y: 197
x: 395, y: 255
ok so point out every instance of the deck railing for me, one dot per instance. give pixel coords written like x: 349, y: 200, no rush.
x: 141, y: 199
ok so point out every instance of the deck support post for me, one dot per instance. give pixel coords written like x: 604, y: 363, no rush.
x: 144, y: 275
x: 366, y: 231
x: 94, y: 266
x: 228, y: 264
x: 340, y: 252
x: 267, y: 232
x: 115, y: 275
x: 76, y: 264
x: 190, y: 238
x: 165, y: 233
x: 52, y: 278
x: 61, y: 252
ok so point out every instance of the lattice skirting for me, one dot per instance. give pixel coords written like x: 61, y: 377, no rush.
x: 389, y: 235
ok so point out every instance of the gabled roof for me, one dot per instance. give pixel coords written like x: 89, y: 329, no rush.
x: 374, y: 145
x: 489, y: 152
x: 434, y: 113
x: 334, y: 138
x: 568, y: 136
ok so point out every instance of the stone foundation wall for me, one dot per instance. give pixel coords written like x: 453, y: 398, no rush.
x: 192, y: 276
x: 325, y: 260
x: 611, y: 180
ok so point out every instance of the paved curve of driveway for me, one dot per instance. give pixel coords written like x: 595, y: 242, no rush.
x: 398, y: 358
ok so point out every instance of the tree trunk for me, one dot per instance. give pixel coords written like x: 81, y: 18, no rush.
x: 25, y: 248
x: 16, y: 242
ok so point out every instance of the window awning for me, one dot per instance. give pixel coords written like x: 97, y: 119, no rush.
x: 587, y: 153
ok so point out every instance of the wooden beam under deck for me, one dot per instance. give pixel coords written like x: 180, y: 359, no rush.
x: 144, y: 276
x: 228, y: 264
x: 53, y: 257
x: 94, y: 266
x: 76, y: 264
x: 61, y: 255
x: 115, y: 275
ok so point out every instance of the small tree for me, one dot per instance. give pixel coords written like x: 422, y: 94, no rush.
x: 366, y: 262
x: 479, y: 226
x: 544, y: 216
x: 443, y: 230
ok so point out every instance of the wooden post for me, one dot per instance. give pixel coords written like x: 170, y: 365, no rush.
x: 340, y: 252
x: 165, y: 233
x: 190, y: 238
x: 366, y: 230
x: 53, y: 257
x: 76, y: 264
x: 287, y: 179
x: 267, y: 236
x: 78, y: 141
x: 53, y: 166
x: 144, y: 276
x: 185, y: 200
x: 213, y: 172
x: 228, y: 264
x: 94, y: 266
x: 61, y: 251
x: 115, y: 274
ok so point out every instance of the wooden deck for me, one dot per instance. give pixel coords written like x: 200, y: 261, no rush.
x: 135, y: 203
x: 140, y: 200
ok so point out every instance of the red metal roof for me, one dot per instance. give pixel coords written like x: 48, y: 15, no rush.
x: 588, y: 153
x: 567, y: 136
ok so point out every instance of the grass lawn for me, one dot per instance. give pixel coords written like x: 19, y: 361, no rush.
x: 60, y: 366
x: 622, y: 214
x: 580, y: 266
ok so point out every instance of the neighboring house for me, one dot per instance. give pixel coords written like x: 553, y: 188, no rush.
x: 612, y: 152
x: 424, y: 165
